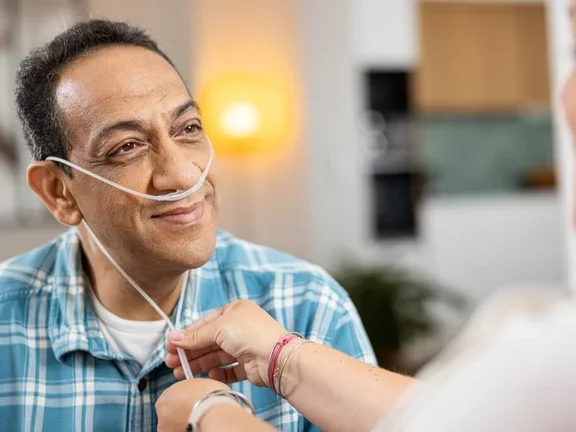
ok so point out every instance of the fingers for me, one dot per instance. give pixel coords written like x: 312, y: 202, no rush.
x: 193, y: 339
x: 191, y: 354
x: 204, y: 363
x: 200, y: 335
x: 210, y: 361
x: 226, y: 376
x: 209, y: 317
x: 179, y: 373
x: 173, y: 360
x: 206, y: 318
x: 229, y: 376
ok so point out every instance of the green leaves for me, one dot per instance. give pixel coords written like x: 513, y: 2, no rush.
x: 394, y: 305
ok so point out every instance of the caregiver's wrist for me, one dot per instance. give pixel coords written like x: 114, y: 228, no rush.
x: 276, y: 360
x: 221, y: 416
x: 264, y: 354
x: 299, y: 360
x: 281, y: 374
x: 215, y: 401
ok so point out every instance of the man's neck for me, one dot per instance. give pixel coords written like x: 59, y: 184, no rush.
x: 117, y: 295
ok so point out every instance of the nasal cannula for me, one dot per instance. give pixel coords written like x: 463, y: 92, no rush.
x: 174, y: 196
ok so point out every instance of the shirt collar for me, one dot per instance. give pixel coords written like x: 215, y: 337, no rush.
x: 73, y: 323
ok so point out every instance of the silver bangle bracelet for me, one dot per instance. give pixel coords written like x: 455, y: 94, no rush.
x: 237, y: 397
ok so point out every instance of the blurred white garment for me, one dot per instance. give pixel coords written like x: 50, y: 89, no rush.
x: 512, y: 370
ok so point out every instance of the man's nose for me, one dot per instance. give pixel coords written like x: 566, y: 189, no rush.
x: 174, y: 168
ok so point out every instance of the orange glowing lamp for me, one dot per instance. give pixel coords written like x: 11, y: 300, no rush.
x: 246, y: 114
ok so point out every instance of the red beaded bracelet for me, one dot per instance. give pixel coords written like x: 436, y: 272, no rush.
x: 273, y: 369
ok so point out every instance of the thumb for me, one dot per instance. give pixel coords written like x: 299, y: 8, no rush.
x: 196, y: 337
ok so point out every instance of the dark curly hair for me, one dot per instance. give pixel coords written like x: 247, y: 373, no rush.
x: 39, y: 72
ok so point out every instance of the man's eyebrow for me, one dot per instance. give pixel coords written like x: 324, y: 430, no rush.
x: 183, y: 108
x: 138, y: 125
x: 126, y: 125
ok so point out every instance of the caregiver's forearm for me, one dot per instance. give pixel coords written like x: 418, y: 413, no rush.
x: 337, y: 392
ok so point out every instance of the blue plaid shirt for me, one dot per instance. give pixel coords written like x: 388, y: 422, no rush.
x: 58, y: 373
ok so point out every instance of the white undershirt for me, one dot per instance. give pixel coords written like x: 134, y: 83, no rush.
x: 138, y: 339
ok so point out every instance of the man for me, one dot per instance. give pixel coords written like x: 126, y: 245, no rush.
x: 80, y: 349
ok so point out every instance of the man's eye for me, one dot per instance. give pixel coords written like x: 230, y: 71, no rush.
x: 192, y: 129
x: 128, y: 147
x: 125, y: 149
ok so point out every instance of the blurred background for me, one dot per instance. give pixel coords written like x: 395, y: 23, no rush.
x: 413, y: 148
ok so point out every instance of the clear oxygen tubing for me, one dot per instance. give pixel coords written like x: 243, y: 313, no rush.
x: 132, y: 282
x: 173, y: 196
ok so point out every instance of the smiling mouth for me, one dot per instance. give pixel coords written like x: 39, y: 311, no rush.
x: 188, y: 215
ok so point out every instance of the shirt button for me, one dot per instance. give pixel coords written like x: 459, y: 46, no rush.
x: 142, y: 384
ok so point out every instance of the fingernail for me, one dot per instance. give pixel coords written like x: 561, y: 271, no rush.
x: 176, y: 335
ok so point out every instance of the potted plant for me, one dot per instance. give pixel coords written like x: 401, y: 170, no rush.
x: 394, y: 305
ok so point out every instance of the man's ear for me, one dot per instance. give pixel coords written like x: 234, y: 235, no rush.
x: 50, y: 184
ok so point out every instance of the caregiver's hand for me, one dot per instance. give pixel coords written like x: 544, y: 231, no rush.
x: 332, y: 390
x: 240, y: 331
x: 174, y: 405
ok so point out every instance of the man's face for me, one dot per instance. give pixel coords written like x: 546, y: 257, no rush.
x: 129, y: 118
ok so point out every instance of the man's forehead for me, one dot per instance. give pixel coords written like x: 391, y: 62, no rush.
x: 117, y: 78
